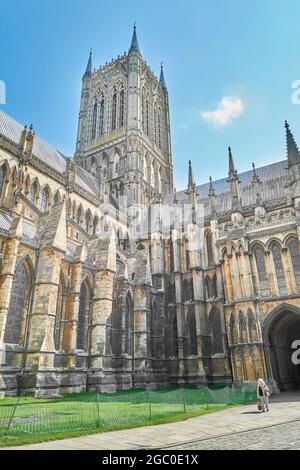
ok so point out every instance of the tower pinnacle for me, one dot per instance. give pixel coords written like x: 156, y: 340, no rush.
x: 234, y: 183
x: 134, y: 47
x: 232, y: 170
x: 88, y: 71
x: 162, y: 77
x: 291, y: 146
x: 191, y: 183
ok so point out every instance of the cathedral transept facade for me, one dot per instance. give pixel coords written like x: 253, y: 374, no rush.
x: 110, y: 279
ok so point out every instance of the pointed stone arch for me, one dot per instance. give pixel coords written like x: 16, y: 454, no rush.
x: 243, y: 337
x: 292, y: 244
x: 252, y: 327
x: 19, y: 304
x: 275, y: 248
x: 215, y: 327
x: 44, y: 198
x: 85, y: 300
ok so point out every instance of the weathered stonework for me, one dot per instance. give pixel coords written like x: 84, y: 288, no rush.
x: 84, y: 306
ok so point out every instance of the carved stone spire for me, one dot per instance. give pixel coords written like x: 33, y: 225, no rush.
x: 293, y: 154
x: 234, y: 184
x: 212, y: 198
x: 88, y: 70
x: 162, y: 77
x: 134, y: 47
x: 256, y: 183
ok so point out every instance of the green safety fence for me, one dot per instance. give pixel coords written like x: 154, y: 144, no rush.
x: 109, y: 411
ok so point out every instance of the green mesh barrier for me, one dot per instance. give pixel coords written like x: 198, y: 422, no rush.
x: 109, y: 411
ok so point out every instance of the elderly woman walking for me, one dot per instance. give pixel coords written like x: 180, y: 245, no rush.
x: 263, y: 395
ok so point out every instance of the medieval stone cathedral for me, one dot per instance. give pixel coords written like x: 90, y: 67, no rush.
x: 86, y: 306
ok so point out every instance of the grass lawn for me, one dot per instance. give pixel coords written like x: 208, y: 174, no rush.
x: 38, y: 420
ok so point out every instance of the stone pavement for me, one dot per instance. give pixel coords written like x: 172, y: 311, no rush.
x: 240, y: 427
x: 281, y: 436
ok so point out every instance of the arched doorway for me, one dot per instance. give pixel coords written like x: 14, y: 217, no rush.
x: 281, y: 329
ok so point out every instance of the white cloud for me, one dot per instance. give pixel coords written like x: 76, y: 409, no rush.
x: 229, y: 108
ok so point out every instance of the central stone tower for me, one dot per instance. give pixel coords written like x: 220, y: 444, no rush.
x: 124, y: 128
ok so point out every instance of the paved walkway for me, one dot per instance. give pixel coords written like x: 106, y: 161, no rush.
x: 231, y: 428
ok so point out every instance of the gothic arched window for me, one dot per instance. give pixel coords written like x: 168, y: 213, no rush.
x: 192, y: 334
x: 19, y: 301
x: 242, y: 328
x: 293, y: 246
x: 122, y: 102
x: 129, y: 326
x: 276, y: 252
x: 214, y: 286
x: 94, y: 121
x: 43, y: 200
x: 208, y: 290
x: 32, y: 195
x: 252, y: 327
x: 101, y: 117
x: 83, y: 317
x: 210, y: 256
x: 261, y: 269
x: 216, y: 331
x: 114, y: 111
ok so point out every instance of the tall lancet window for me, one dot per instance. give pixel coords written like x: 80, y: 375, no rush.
x: 94, y: 121
x: 44, y: 200
x: 295, y: 257
x: 159, y: 130
x: 261, y: 269
x: 83, y: 316
x: 122, y: 102
x: 19, y: 301
x: 114, y: 111
x: 276, y: 252
x: 101, y: 116
x: 32, y: 195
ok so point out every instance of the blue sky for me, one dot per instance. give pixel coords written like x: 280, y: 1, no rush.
x: 245, y: 52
